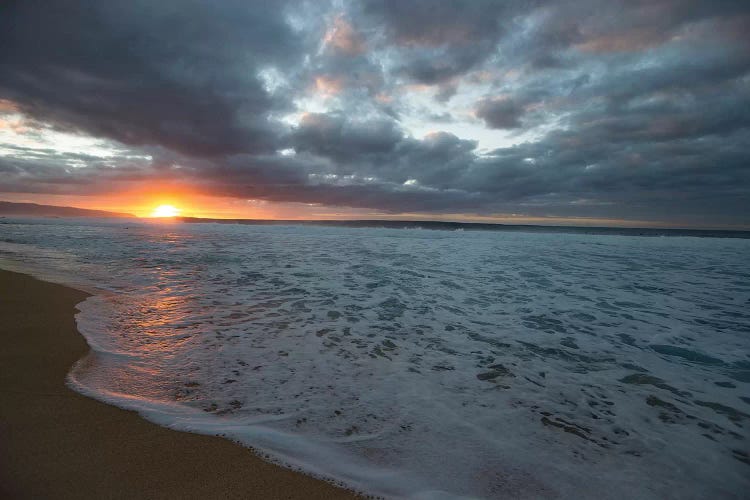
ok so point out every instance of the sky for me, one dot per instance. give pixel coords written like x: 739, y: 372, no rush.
x: 581, y: 111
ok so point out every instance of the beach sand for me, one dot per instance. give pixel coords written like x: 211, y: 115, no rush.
x: 56, y: 443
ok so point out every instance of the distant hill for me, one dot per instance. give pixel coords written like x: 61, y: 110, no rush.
x: 35, y: 210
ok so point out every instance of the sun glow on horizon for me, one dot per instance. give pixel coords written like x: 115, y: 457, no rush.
x: 166, y: 211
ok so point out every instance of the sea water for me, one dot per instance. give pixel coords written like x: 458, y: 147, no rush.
x: 420, y: 363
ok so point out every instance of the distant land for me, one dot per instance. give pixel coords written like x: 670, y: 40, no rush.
x: 480, y: 226
x: 35, y: 210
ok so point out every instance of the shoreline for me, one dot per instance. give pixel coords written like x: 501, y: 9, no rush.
x: 57, y: 443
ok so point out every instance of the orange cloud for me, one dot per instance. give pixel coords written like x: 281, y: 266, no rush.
x: 327, y: 85
x: 631, y: 41
x: 383, y: 98
x: 7, y: 106
x: 342, y: 37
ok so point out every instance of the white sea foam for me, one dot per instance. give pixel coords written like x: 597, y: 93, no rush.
x: 415, y: 363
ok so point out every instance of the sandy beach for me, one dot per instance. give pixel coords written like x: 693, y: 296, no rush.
x: 56, y: 443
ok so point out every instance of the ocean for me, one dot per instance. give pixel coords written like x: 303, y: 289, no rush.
x: 423, y: 362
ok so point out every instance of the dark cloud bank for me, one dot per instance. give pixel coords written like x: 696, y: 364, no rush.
x: 627, y: 109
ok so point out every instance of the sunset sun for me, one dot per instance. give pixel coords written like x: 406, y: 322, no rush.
x: 165, y: 211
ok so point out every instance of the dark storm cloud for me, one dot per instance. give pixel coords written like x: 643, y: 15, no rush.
x: 626, y: 109
x: 380, y: 150
x: 345, y: 141
x: 440, y: 40
x: 179, y: 74
x: 500, y: 112
x: 46, y: 173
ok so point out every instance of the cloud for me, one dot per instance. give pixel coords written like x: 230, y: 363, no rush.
x: 440, y: 40
x: 345, y: 140
x: 178, y: 74
x: 342, y: 37
x: 500, y: 112
x: 574, y: 108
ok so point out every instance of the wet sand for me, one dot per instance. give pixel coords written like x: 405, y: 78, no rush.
x: 56, y: 443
